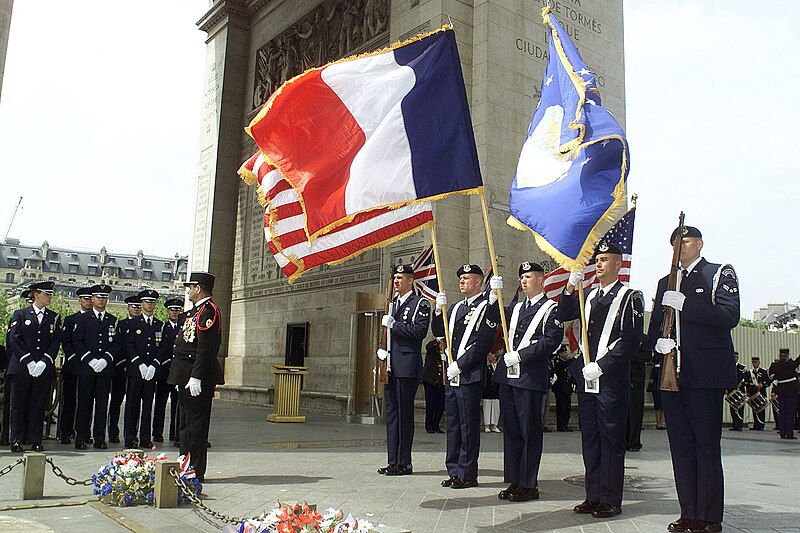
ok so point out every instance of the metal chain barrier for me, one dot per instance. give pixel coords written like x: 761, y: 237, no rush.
x: 192, y: 497
x: 68, y: 480
x: 10, y: 467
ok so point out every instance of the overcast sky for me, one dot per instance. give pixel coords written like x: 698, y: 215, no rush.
x: 100, y: 112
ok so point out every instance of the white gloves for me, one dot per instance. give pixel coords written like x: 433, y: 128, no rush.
x: 592, y: 371
x: 553, y: 379
x: 194, y: 387
x: 98, y: 365
x: 665, y: 345
x: 511, y: 358
x: 674, y: 299
x: 143, y: 370
x: 453, y: 371
x: 382, y: 354
x: 496, y: 284
x: 575, y: 278
x: 32, y: 369
x: 444, y: 357
x: 151, y: 373
x: 388, y: 321
x: 441, y: 301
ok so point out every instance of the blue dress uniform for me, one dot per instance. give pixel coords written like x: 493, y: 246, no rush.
x: 95, y: 338
x: 35, y: 336
x: 120, y: 380
x: 5, y: 431
x: 142, y: 343
x: 462, y: 402
x: 707, y: 369
x: 412, y: 315
x: 164, y: 390
x: 535, y: 335
x: 603, y: 416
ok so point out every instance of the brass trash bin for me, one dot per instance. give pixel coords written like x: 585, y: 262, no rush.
x: 287, y: 394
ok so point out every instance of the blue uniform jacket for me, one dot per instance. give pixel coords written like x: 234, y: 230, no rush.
x: 95, y: 340
x: 142, y: 343
x: 408, y: 332
x: 165, y: 350
x: 68, y: 328
x: 709, y: 313
x: 31, y: 341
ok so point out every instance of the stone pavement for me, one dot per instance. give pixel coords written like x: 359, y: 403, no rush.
x: 331, y: 463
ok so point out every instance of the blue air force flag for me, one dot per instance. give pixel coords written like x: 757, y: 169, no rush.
x: 569, y: 188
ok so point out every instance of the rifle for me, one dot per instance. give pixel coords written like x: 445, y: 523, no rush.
x: 383, y: 375
x: 669, y: 366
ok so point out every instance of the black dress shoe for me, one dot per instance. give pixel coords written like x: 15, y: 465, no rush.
x: 146, y: 445
x: 459, y: 483
x: 449, y: 481
x: 66, y: 440
x: 101, y: 445
x: 131, y: 444
x: 79, y: 445
x: 177, y: 444
x: 605, y: 510
x: 208, y: 445
x: 89, y: 441
x: 701, y: 526
x: 524, y: 495
x: 113, y: 440
x: 680, y: 525
x: 37, y: 447
x: 17, y: 448
x: 430, y: 431
x: 503, y: 494
x: 386, y: 469
x: 586, y: 507
x: 158, y: 439
x: 439, y: 430
x: 734, y: 429
x: 545, y: 430
x: 635, y: 448
x: 401, y: 470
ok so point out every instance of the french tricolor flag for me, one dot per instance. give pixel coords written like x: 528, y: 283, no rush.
x: 388, y: 128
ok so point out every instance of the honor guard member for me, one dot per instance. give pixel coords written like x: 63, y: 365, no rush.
x: 758, y: 384
x: 523, y: 377
x: 784, y: 384
x: 69, y: 375
x: 120, y: 380
x: 195, y: 369
x: 706, y: 309
x: 5, y: 431
x: 142, y: 343
x: 406, y: 327
x: 35, y: 337
x: 164, y: 390
x: 97, y: 346
x: 563, y: 388
x: 472, y: 322
x: 742, y: 380
x: 614, y: 323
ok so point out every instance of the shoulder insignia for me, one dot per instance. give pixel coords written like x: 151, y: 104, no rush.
x: 14, y: 323
x: 558, y: 323
x: 731, y: 290
x: 425, y: 302
x: 491, y: 324
x: 728, y: 272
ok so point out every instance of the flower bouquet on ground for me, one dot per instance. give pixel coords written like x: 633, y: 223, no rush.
x: 300, y: 518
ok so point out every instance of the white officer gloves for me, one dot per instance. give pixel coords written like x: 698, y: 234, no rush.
x: 194, y: 387
x: 441, y: 301
x: 592, y: 371
x: 512, y: 358
x: 665, y: 345
x: 388, y: 321
x: 673, y: 299
x: 151, y: 373
x: 36, y: 369
x: 98, y: 365
x: 453, y: 371
x: 496, y: 284
x: 143, y: 370
x: 575, y: 278
x: 553, y: 380
x: 382, y: 354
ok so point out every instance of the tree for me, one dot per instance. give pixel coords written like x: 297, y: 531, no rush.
x: 6, y: 310
x: 751, y: 324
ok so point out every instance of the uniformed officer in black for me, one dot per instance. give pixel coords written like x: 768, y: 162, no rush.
x: 758, y: 383
x: 5, y: 432
x: 742, y: 380
x: 164, y: 390
x: 35, y: 337
x: 563, y: 388
x: 786, y: 385
x: 707, y: 308
x: 523, y: 375
x: 406, y: 326
x: 142, y: 342
x: 615, y: 322
x: 120, y: 380
x: 472, y: 322
x: 97, y: 347
x: 69, y: 376
x: 195, y: 369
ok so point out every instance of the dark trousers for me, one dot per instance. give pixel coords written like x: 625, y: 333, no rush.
x: 118, y: 385
x: 563, y: 409
x: 434, y: 406
x: 603, y: 418
x: 522, y: 435
x: 5, y: 431
x: 737, y: 418
x: 788, y: 405
x: 28, y: 403
x: 633, y: 433
x: 463, y: 406
x: 399, y: 396
x: 160, y: 407
x: 68, y: 406
x: 694, y: 428
x: 93, y: 393
x: 139, y: 409
x: 174, y: 413
x: 194, y: 425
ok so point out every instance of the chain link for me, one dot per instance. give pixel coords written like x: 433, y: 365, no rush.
x: 10, y: 467
x: 68, y: 480
x: 192, y: 497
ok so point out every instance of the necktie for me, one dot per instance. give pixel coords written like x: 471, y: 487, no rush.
x: 528, y: 304
x: 40, y: 316
x: 685, y: 272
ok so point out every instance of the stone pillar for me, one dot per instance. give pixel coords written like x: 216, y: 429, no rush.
x: 5, y: 25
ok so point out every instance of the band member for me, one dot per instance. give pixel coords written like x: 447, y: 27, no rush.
x: 5, y: 432
x: 69, y: 375
x: 758, y: 384
x: 35, y: 337
x: 706, y: 308
x: 472, y: 323
x: 742, y: 379
x: 98, y: 349
x: 785, y: 385
x: 523, y: 375
x: 164, y: 390
x: 563, y: 388
x: 433, y: 381
x: 406, y: 326
x: 195, y: 369
x: 120, y: 380
x: 614, y: 323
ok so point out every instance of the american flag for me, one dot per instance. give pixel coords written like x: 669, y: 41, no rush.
x: 285, y: 229
x: 425, y: 282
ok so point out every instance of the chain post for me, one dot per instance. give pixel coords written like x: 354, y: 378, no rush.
x: 33, y: 476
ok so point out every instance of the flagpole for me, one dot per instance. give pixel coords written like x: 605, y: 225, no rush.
x: 448, y: 348
x: 494, y: 267
x: 594, y: 385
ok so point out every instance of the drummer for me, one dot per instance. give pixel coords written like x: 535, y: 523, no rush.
x: 757, y: 384
x: 737, y: 413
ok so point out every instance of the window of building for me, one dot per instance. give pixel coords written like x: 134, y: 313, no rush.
x: 10, y: 277
x: 12, y: 250
x: 166, y: 276
x: 147, y: 274
x: 51, y: 278
x: 12, y: 261
x: 167, y: 265
x: 130, y: 261
x: 148, y: 263
x: 92, y: 270
x: 71, y: 280
x: 94, y: 258
x: 73, y: 268
x: 54, y: 254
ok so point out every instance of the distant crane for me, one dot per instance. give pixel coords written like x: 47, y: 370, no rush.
x: 13, y: 216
